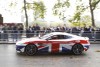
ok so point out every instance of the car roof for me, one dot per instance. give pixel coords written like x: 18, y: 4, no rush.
x: 62, y: 33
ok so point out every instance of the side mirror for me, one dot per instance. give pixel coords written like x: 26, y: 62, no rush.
x: 39, y: 36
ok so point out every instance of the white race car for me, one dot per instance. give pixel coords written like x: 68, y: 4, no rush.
x: 54, y: 42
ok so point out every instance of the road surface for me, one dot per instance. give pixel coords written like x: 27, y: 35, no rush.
x: 9, y: 58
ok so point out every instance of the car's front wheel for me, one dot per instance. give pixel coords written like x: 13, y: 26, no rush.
x: 77, y: 49
x: 30, y: 50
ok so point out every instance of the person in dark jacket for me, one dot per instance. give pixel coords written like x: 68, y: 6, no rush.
x: 37, y: 29
x: 14, y: 33
x: 29, y: 32
x: 20, y: 31
x: 5, y: 33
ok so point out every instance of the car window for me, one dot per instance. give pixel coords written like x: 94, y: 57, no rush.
x: 55, y: 37
x: 62, y: 37
x: 67, y: 37
x: 45, y: 36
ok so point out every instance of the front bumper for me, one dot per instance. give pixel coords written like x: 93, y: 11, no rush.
x: 20, y: 48
x: 86, y: 47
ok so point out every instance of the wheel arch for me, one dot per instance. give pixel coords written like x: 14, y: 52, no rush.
x: 30, y: 45
x: 78, y: 44
x: 73, y: 47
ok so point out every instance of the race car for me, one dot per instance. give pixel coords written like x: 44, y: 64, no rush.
x: 53, y: 42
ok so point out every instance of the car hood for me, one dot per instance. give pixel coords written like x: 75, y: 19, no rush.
x: 28, y: 40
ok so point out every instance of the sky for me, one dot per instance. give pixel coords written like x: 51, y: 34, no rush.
x: 16, y: 16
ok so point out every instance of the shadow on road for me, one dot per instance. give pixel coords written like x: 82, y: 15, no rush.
x: 69, y: 54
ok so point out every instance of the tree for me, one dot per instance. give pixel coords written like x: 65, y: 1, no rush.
x: 14, y: 3
x: 26, y: 16
x: 93, y: 4
x: 60, y: 7
x: 77, y: 17
x: 80, y: 9
x: 38, y: 9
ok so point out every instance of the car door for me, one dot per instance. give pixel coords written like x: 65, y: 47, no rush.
x: 56, y: 42
x: 59, y: 43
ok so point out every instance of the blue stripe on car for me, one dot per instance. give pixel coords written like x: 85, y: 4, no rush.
x: 18, y: 48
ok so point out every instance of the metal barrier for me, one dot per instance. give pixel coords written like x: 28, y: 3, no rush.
x: 11, y: 37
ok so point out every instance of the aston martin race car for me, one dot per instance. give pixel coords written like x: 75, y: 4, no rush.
x: 53, y: 42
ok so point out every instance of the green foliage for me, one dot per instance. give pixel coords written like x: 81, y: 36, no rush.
x: 60, y: 7
x: 38, y: 8
x: 77, y: 15
x: 77, y: 24
x: 13, y: 4
x: 94, y: 3
x: 81, y: 24
x: 66, y: 4
x: 59, y: 10
x: 29, y: 6
x: 79, y: 0
x: 84, y: 20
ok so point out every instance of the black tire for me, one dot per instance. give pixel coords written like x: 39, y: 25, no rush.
x: 77, y: 49
x: 31, y: 50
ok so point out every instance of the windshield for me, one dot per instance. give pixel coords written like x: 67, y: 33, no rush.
x: 45, y: 36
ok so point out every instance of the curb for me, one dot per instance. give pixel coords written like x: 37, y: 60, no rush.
x: 7, y: 42
x: 94, y: 43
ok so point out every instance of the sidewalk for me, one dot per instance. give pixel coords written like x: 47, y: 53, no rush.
x: 95, y: 42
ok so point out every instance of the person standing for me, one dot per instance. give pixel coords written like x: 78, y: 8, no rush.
x: 37, y: 29
x: 1, y: 32
x: 20, y: 31
x: 5, y: 33
x: 15, y: 33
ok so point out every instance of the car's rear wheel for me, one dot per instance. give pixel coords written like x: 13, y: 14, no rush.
x: 77, y: 49
x: 30, y: 50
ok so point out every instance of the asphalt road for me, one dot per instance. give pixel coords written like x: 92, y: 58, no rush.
x: 9, y: 58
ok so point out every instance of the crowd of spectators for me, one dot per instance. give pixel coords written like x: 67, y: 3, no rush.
x: 16, y: 31
x: 83, y: 31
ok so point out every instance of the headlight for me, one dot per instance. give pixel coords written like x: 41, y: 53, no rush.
x: 19, y: 43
